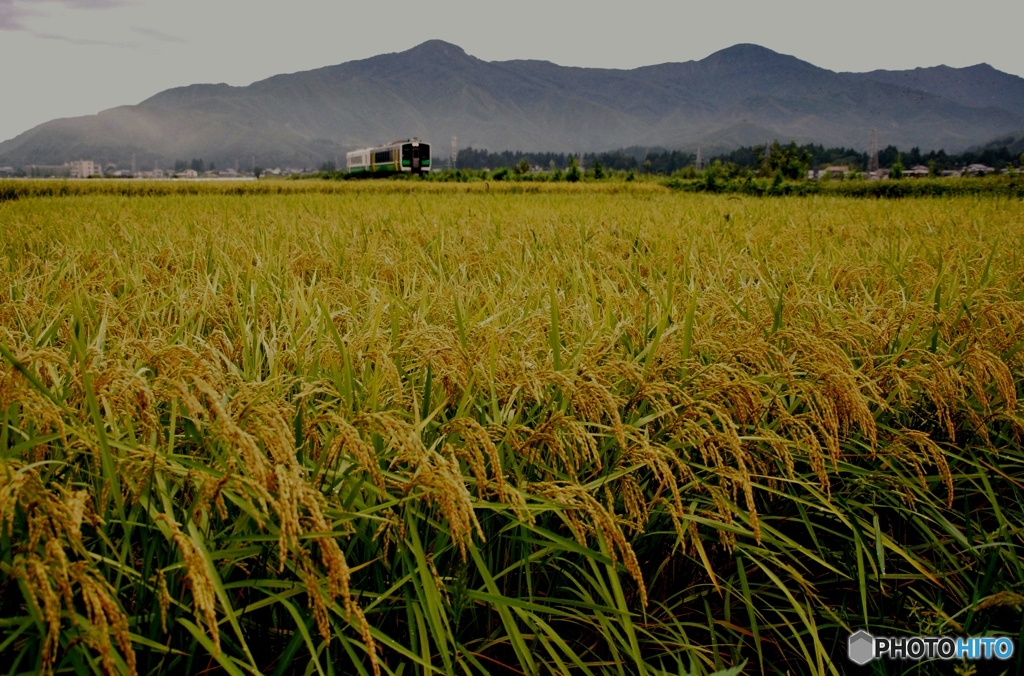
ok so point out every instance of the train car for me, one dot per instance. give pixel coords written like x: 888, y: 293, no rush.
x: 411, y: 155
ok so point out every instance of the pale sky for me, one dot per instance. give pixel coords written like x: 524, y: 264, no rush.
x: 62, y: 58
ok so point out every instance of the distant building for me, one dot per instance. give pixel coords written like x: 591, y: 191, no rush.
x: 978, y: 170
x: 6, y: 171
x: 48, y: 170
x: 187, y: 173
x: 84, y: 169
x: 917, y: 171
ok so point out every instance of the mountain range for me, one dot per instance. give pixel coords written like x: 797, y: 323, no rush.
x: 742, y: 95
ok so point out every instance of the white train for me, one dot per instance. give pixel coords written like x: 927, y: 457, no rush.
x: 411, y: 155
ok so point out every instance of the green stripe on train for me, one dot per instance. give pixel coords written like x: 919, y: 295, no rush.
x: 389, y: 166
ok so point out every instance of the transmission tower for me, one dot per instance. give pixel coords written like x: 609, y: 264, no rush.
x: 455, y: 153
x: 873, y: 159
x: 698, y: 163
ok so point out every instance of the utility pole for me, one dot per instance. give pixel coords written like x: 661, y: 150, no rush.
x: 699, y: 162
x: 873, y: 159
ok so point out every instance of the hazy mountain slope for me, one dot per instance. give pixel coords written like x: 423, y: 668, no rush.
x: 1014, y: 143
x: 152, y: 135
x: 741, y: 95
x: 980, y: 86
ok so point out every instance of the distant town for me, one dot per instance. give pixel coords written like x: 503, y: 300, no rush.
x: 90, y: 169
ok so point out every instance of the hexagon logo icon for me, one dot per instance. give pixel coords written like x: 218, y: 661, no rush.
x: 861, y: 647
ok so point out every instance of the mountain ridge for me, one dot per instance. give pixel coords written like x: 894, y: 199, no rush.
x: 739, y: 95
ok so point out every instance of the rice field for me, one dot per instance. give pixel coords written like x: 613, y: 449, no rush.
x: 392, y: 428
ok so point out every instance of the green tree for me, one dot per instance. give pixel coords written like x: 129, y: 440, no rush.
x: 598, y: 170
x: 896, y: 170
x: 522, y: 167
x: 573, y: 174
x: 789, y: 161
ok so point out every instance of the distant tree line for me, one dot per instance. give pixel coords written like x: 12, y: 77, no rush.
x: 789, y: 160
x: 472, y: 158
x: 640, y: 160
x: 993, y: 157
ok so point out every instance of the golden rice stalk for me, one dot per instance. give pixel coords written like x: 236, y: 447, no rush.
x: 50, y: 368
x: 430, y: 469
x: 478, y: 449
x: 50, y: 578
x: 577, y: 503
x: 929, y: 451
x: 197, y: 575
x: 164, y: 599
x: 348, y: 440
x: 105, y: 618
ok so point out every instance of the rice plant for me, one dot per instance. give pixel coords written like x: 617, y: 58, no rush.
x: 404, y: 428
